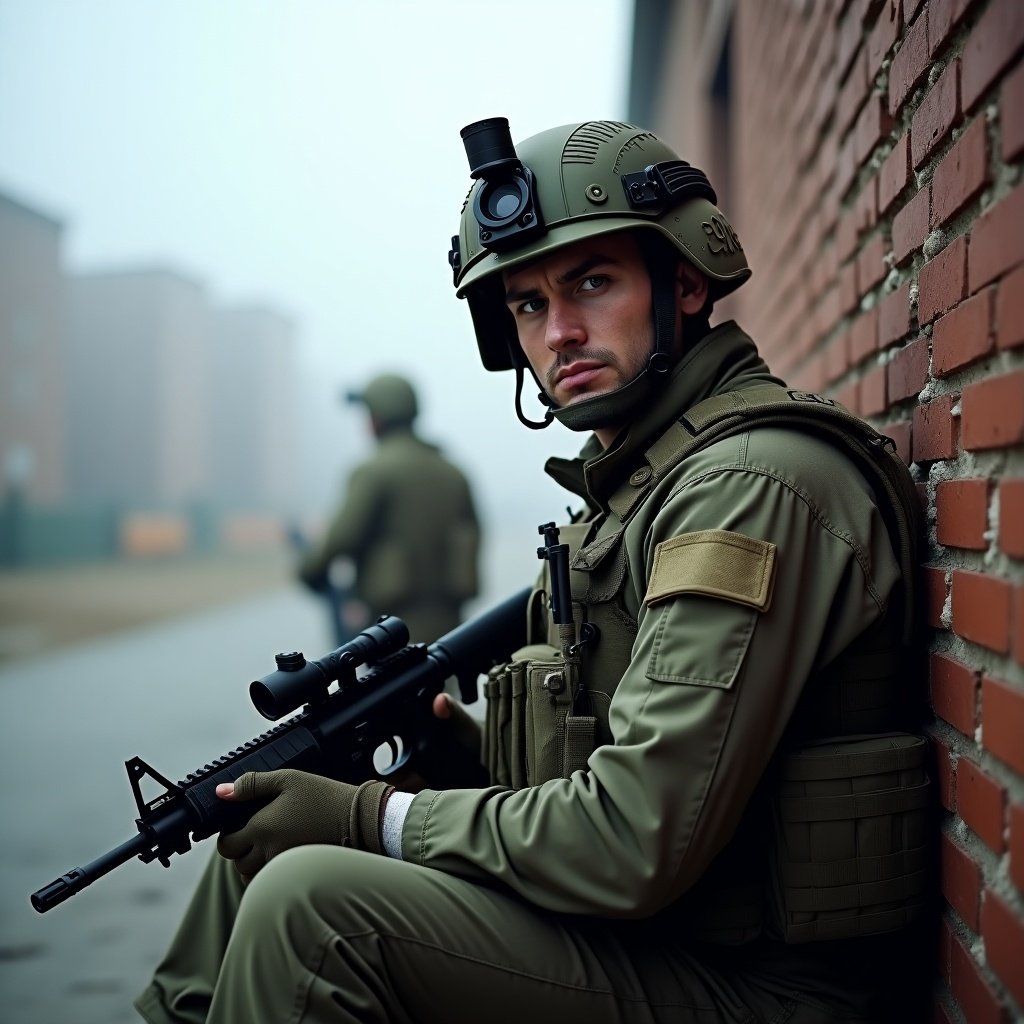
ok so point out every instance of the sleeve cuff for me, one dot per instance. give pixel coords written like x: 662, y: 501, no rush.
x: 395, y: 811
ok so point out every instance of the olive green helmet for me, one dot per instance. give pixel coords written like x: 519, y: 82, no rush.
x: 570, y: 183
x: 390, y: 399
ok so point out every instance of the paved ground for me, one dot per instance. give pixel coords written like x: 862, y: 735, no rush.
x: 45, y: 609
x: 164, y: 676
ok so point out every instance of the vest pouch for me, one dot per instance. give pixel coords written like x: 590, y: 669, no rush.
x: 548, y: 702
x: 516, y: 741
x: 491, y: 755
x: 851, y: 853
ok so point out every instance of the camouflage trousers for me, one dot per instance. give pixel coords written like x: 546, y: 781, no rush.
x: 325, y: 935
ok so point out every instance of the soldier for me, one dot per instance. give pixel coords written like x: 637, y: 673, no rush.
x: 407, y: 523
x: 705, y: 805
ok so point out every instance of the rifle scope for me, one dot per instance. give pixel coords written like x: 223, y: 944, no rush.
x: 297, y: 681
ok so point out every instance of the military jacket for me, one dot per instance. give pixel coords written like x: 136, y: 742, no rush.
x: 692, y: 710
x: 409, y: 524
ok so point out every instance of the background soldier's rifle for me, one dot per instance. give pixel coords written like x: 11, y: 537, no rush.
x: 335, y: 734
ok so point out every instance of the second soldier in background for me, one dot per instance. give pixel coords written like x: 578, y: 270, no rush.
x: 407, y: 523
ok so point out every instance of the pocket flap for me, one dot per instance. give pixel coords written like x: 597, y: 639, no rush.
x: 718, y: 563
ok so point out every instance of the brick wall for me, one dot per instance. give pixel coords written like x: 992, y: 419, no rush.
x: 876, y: 150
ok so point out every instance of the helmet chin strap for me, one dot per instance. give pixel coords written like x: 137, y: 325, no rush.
x: 532, y: 424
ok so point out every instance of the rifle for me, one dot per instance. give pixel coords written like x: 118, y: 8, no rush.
x: 335, y: 734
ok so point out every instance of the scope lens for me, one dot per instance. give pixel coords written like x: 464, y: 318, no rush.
x: 501, y: 202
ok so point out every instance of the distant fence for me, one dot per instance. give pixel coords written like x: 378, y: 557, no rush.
x: 38, y: 536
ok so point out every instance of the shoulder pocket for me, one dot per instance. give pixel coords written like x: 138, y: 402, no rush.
x: 697, y: 640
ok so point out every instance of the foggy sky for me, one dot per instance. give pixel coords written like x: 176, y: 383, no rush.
x: 306, y: 154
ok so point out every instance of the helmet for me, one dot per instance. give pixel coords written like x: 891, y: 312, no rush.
x: 389, y: 398
x: 570, y: 183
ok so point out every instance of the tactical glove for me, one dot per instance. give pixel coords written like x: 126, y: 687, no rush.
x: 302, y: 809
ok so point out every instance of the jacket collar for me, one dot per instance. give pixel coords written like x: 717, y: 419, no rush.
x: 724, y: 360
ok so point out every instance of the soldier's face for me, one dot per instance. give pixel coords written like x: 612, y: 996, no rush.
x: 584, y: 316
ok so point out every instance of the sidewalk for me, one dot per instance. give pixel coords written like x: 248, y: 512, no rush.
x: 47, y: 609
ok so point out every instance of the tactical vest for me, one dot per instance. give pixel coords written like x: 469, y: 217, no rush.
x: 843, y: 771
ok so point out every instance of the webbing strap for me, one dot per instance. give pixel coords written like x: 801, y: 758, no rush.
x: 862, y: 894
x: 831, y: 763
x: 848, y: 806
x: 827, y: 874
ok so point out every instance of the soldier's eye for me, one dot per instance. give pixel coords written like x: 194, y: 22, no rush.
x: 592, y: 283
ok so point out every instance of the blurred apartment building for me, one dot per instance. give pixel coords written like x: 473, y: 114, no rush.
x: 32, y: 354
x: 130, y: 394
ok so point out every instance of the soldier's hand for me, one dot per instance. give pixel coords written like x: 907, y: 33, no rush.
x: 301, y: 809
x: 464, y: 728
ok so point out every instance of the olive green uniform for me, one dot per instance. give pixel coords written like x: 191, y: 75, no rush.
x: 409, y: 525
x: 633, y: 889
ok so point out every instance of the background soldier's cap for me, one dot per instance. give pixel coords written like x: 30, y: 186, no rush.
x: 389, y: 398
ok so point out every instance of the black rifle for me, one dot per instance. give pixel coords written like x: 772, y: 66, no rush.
x: 336, y: 734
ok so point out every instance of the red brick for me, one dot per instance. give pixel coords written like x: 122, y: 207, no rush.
x: 852, y: 94
x: 846, y: 167
x: 1002, y: 717
x: 894, y: 317
x: 954, y: 693
x: 981, y: 609
x: 849, y: 395
x: 943, y: 281
x: 872, y: 392
x: 864, y: 336
x: 1017, y: 845
x: 910, y: 226
x: 1017, y: 625
x: 978, y: 1002
x: 899, y: 431
x: 961, y: 881
x: 992, y: 413
x: 944, y: 17
x: 837, y: 360
x: 873, y: 124
x: 997, y: 241
x: 871, y: 264
x: 866, y: 206
x: 962, y: 174
x: 1011, y: 114
x: 1003, y: 932
x: 894, y: 174
x: 848, y: 41
x: 1010, y: 310
x: 990, y: 47
x: 935, y: 117
x: 963, y: 335
x: 910, y: 65
x: 846, y: 235
x: 882, y: 37
x: 910, y: 9
x: 935, y: 430
x: 961, y: 511
x: 849, y: 296
x: 907, y: 371
x: 1011, y: 517
x: 981, y: 802
x: 936, y: 587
